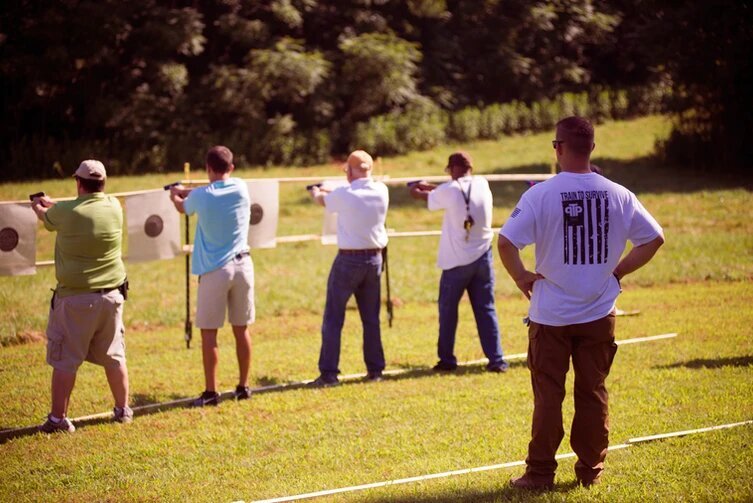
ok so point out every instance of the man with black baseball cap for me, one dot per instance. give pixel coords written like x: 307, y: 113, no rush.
x: 465, y: 257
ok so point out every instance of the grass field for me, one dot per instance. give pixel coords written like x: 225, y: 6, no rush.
x: 304, y: 440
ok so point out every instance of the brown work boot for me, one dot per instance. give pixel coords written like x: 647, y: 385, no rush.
x: 529, y: 483
x: 588, y: 483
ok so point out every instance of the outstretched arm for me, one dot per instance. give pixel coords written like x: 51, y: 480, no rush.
x: 421, y: 190
x: 510, y: 256
x: 178, y: 195
x: 317, y: 194
x: 40, y: 205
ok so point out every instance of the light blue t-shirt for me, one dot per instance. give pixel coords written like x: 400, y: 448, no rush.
x: 224, y: 210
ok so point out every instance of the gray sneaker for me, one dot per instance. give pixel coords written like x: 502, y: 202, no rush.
x: 124, y: 415
x: 50, y: 426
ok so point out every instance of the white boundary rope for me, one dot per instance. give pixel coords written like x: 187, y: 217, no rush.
x: 8, y: 433
x: 418, y: 478
x: 453, y: 473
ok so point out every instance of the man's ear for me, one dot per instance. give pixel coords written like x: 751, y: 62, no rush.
x: 593, y: 147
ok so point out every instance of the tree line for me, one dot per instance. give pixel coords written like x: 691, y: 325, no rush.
x: 148, y: 84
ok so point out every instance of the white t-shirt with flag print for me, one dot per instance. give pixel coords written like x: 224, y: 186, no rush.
x: 580, y: 224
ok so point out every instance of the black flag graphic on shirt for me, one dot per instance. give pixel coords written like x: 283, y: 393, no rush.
x: 585, y: 217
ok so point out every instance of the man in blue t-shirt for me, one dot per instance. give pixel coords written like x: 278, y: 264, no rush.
x: 222, y: 261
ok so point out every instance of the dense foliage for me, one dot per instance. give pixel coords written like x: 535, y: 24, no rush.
x: 147, y: 84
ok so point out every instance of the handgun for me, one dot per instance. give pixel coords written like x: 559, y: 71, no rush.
x: 38, y: 194
x: 309, y: 187
x: 170, y: 185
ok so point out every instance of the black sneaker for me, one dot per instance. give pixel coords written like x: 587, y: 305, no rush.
x: 242, y: 392
x: 498, y: 368
x: 62, y: 426
x: 374, y: 376
x: 325, y: 381
x: 207, y: 398
x: 445, y: 367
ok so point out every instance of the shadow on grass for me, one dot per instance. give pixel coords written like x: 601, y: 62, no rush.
x: 142, y: 399
x: 715, y: 363
x: 503, y: 493
x: 146, y: 404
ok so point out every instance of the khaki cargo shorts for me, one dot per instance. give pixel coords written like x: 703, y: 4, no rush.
x: 87, y: 327
x: 231, y: 288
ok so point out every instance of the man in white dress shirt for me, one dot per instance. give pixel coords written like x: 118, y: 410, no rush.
x: 361, y: 209
x: 465, y: 257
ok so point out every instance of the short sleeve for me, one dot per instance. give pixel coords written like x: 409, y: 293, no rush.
x: 520, y: 227
x: 439, y: 198
x: 191, y: 203
x: 52, y: 218
x: 642, y: 228
x: 335, y: 200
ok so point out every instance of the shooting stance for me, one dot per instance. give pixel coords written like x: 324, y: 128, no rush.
x: 223, y: 263
x: 465, y: 257
x: 579, y: 222
x: 86, y: 310
x: 361, y: 235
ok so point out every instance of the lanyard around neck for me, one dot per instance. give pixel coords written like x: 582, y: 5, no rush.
x: 466, y: 197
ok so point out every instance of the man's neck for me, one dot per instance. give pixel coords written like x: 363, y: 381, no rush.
x: 362, y: 176
x: 577, y: 166
x: 216, y: 177
x: 457, y: 176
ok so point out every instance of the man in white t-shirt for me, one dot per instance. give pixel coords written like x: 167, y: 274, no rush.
x: 465, y: 257
x: 580, y: 223
x: 361, y: 209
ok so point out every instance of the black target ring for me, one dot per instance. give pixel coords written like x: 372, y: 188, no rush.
x: 257, y: 213
x: 8, y: 239
x: 153, y: 226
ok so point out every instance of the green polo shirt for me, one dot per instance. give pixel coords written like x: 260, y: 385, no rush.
x: 88, y: 244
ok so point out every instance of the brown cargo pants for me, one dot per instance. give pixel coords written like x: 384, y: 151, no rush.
x: 592, y: 348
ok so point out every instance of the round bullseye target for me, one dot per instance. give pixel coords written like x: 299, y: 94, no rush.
x: 8, y: 239
x: 153, y: 226
x: 257, y: 213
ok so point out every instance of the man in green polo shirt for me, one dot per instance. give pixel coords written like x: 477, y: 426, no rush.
x: 86, y: 312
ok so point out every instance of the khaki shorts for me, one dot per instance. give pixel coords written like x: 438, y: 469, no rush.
x: 87, y: 327
x: 231, y: 288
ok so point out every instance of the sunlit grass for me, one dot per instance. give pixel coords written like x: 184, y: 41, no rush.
x: 296, y: 441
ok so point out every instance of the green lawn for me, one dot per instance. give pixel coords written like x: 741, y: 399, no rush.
x: 303, y: 440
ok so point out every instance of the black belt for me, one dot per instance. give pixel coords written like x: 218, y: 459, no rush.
x: 105, y: 290
x: 240, y: 255
x: 367, y: 251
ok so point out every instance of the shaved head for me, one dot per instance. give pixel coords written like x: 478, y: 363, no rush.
x: 577, y: 134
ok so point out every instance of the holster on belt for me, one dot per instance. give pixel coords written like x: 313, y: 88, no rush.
x: 123, y: 289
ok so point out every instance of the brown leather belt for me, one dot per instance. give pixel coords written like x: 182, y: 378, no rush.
x: 367, y: 251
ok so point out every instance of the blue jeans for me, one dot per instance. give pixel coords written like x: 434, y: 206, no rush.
x: 359, y: 275
x: 478, y: 279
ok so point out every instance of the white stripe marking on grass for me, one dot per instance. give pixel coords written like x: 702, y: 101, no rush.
x: 418, y: 478
x: 686, y: 432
